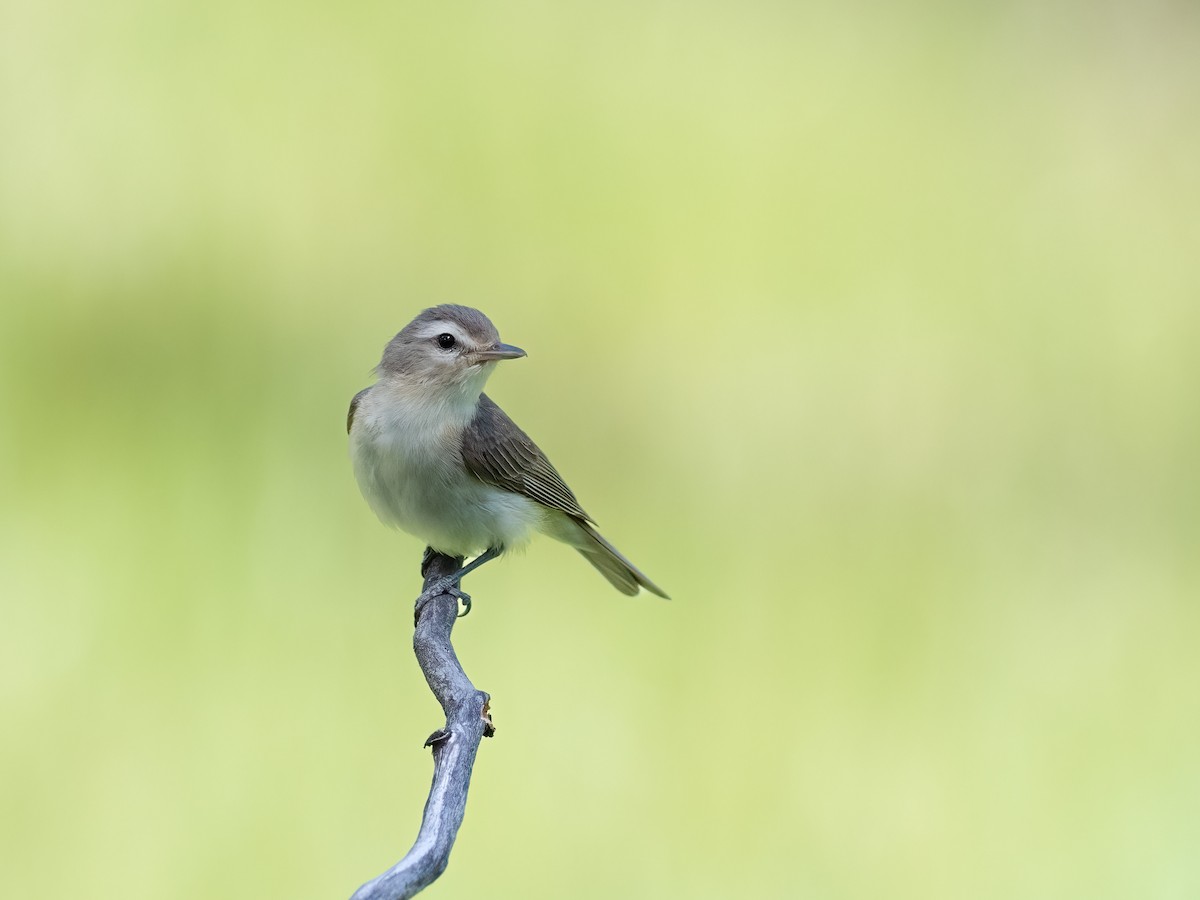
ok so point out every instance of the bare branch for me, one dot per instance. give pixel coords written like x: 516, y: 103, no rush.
x: 454, y: 747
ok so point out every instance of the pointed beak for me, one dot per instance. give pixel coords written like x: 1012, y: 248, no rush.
x: 498, y: 352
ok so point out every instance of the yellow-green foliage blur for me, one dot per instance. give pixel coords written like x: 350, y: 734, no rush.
x: 871, y: 332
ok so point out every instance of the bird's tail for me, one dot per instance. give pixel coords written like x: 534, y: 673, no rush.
x: 621, y: 573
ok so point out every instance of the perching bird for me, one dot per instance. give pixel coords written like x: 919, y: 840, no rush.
x: 435, y: 457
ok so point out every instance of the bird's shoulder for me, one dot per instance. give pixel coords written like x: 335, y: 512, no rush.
x: 354, y: 404
x: 496, y: 451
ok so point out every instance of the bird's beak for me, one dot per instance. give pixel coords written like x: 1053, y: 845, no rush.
x: 498, y: 352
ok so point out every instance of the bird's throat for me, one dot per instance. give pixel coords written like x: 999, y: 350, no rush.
x: 425, y: 406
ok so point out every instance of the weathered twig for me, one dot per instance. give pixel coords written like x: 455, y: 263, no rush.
x: 454, y: 747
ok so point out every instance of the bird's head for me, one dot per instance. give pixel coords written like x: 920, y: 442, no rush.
x: 447, y: 348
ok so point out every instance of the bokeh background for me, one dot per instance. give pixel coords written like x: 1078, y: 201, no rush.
x: 869, y: 330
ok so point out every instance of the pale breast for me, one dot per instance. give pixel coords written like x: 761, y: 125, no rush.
x: 408, y: 465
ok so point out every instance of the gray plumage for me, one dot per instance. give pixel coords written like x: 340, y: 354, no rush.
x: 497, y: 452
x: 436, y: 457
x: 398, y: 355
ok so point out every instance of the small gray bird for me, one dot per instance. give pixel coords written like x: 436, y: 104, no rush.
x: 435, y: 457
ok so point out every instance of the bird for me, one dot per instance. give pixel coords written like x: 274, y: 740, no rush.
x: 434, y: 456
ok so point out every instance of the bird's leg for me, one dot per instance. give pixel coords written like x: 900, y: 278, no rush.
x: 437, y: 586
x: 486, y: 556
x: 448, y: 584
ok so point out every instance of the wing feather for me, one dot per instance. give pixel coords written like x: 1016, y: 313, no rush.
x: 354, y: 408
x: 499, y: 453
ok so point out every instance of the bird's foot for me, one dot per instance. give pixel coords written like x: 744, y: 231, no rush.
x: 445, y: 585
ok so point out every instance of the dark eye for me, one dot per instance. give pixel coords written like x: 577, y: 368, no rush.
x: 446, y: 341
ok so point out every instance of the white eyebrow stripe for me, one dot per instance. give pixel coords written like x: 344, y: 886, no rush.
x: 443, y: 327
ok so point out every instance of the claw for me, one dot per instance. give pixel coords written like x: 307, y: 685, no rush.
x: 441, y: 586
x: 448, y: 584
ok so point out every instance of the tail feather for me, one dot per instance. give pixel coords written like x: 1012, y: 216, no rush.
x: 621, y: 573
x: 618, y: 576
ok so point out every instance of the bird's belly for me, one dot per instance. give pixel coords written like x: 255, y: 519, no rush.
x: 427, y: 492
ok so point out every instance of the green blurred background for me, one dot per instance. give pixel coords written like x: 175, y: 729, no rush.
x: 869, y: 331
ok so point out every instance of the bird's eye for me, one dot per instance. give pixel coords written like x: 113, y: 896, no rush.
x: 446, y: 341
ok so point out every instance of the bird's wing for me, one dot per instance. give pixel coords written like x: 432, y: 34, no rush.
x: 499, y: 453
x: 354, y: 406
